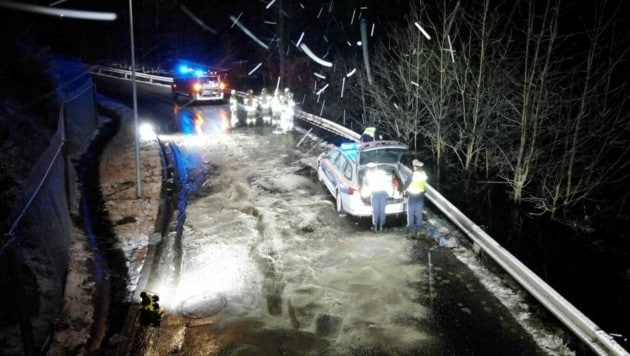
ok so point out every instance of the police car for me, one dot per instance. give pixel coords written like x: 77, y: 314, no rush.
x: 342, y: 171
x: 199, y: 84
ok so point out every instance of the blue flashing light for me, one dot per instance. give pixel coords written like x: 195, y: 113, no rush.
x: 349, y: 146
x: 183, y: 69
x: 350, y: 149
x: 187, y: 70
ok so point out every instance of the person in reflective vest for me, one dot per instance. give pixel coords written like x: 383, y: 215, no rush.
x: 415, y: 199
x: 265, y: 105
x: 370, y: 134
x: 276, y: 107
x: 286, y: 117
x: 157, y: 310
x: 380, y: 188
x: 251, y: 104
x: 233, y: 102
x: 150, y: 311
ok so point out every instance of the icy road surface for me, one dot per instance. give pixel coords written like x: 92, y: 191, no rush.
x: 266, y: 266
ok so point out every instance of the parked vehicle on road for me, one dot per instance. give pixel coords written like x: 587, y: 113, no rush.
x: 342, y: 171
x: 199, y: 85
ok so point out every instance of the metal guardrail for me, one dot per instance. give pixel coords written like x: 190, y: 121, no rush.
x: 328, y: 125
x: 126, y: 74
x: 597, y: 339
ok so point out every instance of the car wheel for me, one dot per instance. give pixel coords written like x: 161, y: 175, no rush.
x: 338, y: 203
x: 320, y: 174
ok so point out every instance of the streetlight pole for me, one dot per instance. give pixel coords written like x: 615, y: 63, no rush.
x: 135, y: 103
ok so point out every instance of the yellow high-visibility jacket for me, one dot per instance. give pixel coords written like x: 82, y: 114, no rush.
x: 370, y: 131
x: 417, y: 184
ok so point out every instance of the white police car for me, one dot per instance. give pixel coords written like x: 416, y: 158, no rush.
x: 342, y: 171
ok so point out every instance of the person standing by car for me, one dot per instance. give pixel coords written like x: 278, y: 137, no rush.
x: 380, y: 186
x: 415, y: 199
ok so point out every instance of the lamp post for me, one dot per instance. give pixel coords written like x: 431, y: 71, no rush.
x: 135, y: 103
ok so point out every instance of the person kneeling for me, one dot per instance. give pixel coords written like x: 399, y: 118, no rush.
x: 150, y: 311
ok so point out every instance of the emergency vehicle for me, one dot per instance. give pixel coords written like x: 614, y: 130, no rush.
x: 199, y: 84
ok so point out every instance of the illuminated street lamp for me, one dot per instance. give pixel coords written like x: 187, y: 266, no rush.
x: 146, y: 132
x: 135, y: 103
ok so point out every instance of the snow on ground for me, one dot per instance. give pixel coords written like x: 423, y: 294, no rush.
x: 515, y: 302
x: 77, y: 315
x: 511, y: 296
x: 134, y: 222
x: 258, y: 225
x: 306, y: 259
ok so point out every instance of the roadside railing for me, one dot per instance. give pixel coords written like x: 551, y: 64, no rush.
x: 327, y: 125
x: 597, y: 339
x: 126, y: 74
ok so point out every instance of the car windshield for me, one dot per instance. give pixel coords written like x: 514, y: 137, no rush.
x: 383, y: 155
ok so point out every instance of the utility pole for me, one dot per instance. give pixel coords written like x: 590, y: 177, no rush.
x: 135, y: 103
x: 281, y: 48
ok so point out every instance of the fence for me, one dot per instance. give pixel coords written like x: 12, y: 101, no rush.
x: 34, y: 258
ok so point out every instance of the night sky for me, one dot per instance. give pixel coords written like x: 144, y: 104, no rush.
x: 164, y: 31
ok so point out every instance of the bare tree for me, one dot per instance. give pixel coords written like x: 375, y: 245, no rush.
x: 438, y: 89
x: 532, y: 104
x: 480, y: 94
x: 412, y: 98
x: 589, y: 149
x: 392, y: 102
x: 505, y: 101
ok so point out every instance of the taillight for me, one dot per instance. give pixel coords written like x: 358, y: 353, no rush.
x: 352, y: 190
x: 197, y: 87
x: 221, y: 85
